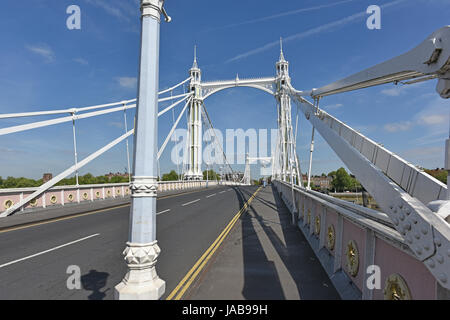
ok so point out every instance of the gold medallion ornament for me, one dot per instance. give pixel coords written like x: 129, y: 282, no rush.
x: 53, y: 199
x: 331, y: 237
x: 70, y: 197
x: 396, y: 288
x: 303, y: 210
x: 108, y: 193
x: 97, y: 194
x: 127, y: 191
x: 85, y: 196
x: 8, y: 204
x: 118, y: 191
x: 33, y: 203
x: 352, y: 258
x: 317, y: 226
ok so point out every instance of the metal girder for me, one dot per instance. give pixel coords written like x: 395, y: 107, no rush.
x: 425, y: 232
x: 265, y: 84
x: 431, y: 59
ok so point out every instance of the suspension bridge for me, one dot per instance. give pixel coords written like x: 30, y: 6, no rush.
x: 226, y: 239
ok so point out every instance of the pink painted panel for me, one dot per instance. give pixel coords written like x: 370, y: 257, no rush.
x: 50, y: 195
x: 38, y: 201
x: 98, y: 193
x: 110, y: 194
x: 67, y: 193
x: 420, y: 281
x: 15, y: 198
x: 357, y: 234
x: 85, y: 195
x: 331, y: 219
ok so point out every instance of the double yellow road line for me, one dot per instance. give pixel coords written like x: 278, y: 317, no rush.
x: 189, y: 278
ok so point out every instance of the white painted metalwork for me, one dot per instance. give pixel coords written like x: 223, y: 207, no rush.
x: 51, y: 122
x: 65, y: 173
x: 163, y: 147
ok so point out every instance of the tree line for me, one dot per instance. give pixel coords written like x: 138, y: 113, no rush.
x: 11, y: 182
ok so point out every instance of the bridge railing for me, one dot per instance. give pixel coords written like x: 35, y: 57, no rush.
x: 67, y: 195
x: 352, y: 241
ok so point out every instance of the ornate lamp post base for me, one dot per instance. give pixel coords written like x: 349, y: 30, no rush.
x: 141, y: 282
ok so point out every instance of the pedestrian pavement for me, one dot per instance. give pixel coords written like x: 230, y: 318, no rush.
x: 264, y: 257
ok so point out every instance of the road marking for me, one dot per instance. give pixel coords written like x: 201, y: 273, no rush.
x: 163, y: 212
x: 211, y: 195
x: 186, y: 204
x: 185, y: 283
x: 223, y: 191
x: 47, y: 251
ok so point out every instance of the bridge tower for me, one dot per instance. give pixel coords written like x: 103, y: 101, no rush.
x: 194, y: 135
x: 286, y: 161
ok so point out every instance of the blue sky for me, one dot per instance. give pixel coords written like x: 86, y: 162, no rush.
x: 45, y: 66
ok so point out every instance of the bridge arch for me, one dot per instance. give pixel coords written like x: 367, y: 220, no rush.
x: 267, y: 85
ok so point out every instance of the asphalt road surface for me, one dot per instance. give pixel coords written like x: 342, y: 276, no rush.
x: 34, y: 261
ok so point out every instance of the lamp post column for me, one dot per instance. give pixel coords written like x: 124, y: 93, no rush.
x: 141, y: 281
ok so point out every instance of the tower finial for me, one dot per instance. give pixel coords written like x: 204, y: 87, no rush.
x: 281, y: 50
x: 195, y: 65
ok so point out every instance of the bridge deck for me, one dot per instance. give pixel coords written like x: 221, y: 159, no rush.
x: 264, y: 257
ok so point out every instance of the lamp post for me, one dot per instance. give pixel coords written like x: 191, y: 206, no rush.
x: 141, y: 281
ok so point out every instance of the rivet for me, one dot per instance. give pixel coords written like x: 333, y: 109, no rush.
x: 424, y: 231
x: 408, y: 211
x: 443, y: 278
x: 440, y: 259
x: 396, y: 221
x: 431, y: 264
x: 408, y: 226
x: 409, y: 240
x: 438, y: 242
x: 402, y: 217
x: 391, y: 206
x: 426, y: 247
x: 417, y: 236
x: 419, y: 251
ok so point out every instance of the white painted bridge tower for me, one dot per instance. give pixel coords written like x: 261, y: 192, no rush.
x: 194, y: 136
x: 286, y: 159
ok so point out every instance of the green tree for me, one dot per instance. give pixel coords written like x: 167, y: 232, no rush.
x: 172, y: 176
x: 212, y: 175
x: 342, y: 180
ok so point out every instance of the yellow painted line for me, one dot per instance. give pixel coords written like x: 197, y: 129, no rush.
x: 185, y: 283
x: 30, y: 225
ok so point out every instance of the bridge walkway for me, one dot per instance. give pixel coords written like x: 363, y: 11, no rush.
x: 264, y: 257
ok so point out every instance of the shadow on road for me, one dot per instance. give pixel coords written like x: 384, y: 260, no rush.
x: 94, y: 281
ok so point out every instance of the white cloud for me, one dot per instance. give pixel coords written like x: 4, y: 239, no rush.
x: 44, y: 51
x: 394, y: 92
x: 434, y: 118
x: 127, y: 82
x: 81, y: 61
x: 398, y: 126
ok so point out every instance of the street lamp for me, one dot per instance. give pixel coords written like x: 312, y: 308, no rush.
x: 141, y: 281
